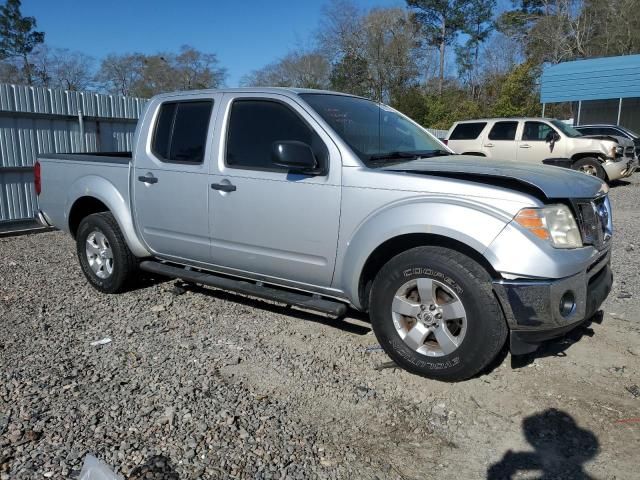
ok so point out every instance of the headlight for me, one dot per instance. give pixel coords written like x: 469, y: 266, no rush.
x: 618, y: 151
x: 554, y: 223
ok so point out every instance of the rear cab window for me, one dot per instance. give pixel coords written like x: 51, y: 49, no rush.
x: 503, y: 131
x: 180, y: 133
x: 467, y: 131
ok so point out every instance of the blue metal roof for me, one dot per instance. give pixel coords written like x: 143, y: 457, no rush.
x: 592, y: 79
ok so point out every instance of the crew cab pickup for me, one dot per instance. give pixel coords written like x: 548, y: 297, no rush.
x: 325, y: 201
x: 542, y: 140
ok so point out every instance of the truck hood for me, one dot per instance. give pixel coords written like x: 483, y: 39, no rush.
x: 552, y: 182
x: 625, y: 142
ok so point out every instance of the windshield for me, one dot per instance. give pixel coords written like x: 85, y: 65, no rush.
x: 376, y: 133
x: 568, y: 130
x: 630, y: 132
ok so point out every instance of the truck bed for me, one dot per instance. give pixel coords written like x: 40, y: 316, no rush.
x: 103, y: 157
x: 67, y: 176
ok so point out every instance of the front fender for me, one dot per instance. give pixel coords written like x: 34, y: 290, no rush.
x: 105, y: 191
x: 473, y: 224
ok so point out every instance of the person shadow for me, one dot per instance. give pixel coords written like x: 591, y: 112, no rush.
x: 561, y: 448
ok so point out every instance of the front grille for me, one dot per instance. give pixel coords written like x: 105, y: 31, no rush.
x: 629, y: 152
x: 594, y: 220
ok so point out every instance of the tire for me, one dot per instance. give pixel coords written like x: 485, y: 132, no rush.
x: 104, y: 256
x: 478, y: 334
x: 590, y: 166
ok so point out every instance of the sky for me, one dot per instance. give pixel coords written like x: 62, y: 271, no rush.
x: 245, y: 35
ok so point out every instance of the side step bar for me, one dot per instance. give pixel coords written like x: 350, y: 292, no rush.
x: 312, y: 302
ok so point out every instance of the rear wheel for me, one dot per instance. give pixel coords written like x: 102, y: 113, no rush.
x: 104, y: 256
x: 434, y: 313
x: 590, y: 166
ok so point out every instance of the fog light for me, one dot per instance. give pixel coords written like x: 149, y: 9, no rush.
x: 567, y: 303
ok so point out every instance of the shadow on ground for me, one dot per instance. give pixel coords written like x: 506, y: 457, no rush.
x: 557, y: 347
x: 155, y: 468
x: 560, y: 449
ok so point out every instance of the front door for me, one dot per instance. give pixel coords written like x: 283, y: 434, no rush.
x: 171, y: 180
x: 264, y: 219
x: 533, y: 146
x: 500, y: 143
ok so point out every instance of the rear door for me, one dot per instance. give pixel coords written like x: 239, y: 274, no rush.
x: 500, y: 142
x: 265, y: 220
x: 533, y: 146
x: 171, y: 178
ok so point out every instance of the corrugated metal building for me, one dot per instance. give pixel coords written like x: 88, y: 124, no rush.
x: 602, y: 90
x: 36, y: 120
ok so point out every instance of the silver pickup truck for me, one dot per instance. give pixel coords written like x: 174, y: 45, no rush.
x: 323, y: 201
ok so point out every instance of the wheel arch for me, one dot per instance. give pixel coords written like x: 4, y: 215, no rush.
x: 579, y: 156
x: 456, y: 222
x: 401, y: 243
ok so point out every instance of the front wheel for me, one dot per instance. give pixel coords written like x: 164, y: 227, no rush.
x: 590, y: 166
x: 104, y: 256
x: 434, y: 313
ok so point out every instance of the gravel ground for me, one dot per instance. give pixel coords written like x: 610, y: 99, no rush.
x: 199, y: 383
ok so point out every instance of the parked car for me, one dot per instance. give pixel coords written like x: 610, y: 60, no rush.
x: 322, y: 200
x: 534, y: 140
x: 617, y: 131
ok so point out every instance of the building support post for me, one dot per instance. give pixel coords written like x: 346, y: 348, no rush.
x: 619, y: 111
x: 83, y: 147
x: 579, y: 111
x: 543, y: 108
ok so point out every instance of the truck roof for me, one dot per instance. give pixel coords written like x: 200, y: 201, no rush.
x: 500, y: 119
x: 278, y: 90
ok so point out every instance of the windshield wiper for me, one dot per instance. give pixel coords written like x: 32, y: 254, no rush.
x: 408, y: 155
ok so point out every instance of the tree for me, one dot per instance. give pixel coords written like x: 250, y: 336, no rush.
x: 296, y: 69
x: 607, y: 30
x: 147, y: 75
x: 351, y: 75
x: 391, y: 46
x: 121, y: 74
x: 375, y: 53
x: 198, y: 69
x: 478, y: 26
x: 18, y: 36
x: 518, y: 96
x: 62, y: 68
x: 340, y: 30
x: 442, y: 21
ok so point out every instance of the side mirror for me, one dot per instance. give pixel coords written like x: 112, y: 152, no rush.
x: 552, y: 137
x: 296, y: 156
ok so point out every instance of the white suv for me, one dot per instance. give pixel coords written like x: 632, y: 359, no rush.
x: 538, y: 140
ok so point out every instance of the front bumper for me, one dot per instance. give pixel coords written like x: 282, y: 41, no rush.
x: 620, y: 168
x: 532, y: 307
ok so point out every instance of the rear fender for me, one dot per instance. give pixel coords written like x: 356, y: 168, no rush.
x: 103, y: 190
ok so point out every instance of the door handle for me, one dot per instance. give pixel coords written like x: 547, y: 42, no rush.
x: 525, y: 146
x: 223, y: 187
x: 489, y: 145
x: 144, y: 179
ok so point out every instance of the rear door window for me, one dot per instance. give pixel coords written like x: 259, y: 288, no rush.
x: 535, y: 131
x: 503, y: 131
x: 181, y: 130
x: 467, y: 131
